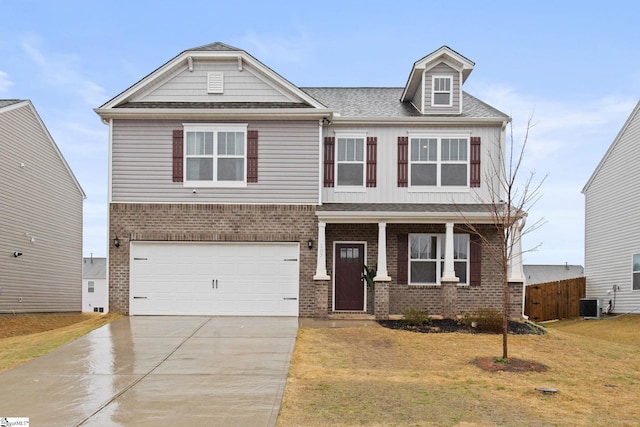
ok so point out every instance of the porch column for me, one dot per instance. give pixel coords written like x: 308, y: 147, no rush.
x: 382, y: 275
x: 516, y: 272
x: 449, y: 274
x: 321, y: 260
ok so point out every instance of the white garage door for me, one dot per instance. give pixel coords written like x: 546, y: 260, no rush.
x: 248, y: 279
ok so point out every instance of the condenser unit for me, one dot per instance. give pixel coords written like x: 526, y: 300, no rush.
x: 589, y: 307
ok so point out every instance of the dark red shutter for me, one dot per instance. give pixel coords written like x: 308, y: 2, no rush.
x: 178, y: 149
x: 372, y: 159
x: 329, y: 150
x: 252, y: 156
x: 474, y: 169
x: 403, y: 161
x: 475, y: 259
x: 403, y: 259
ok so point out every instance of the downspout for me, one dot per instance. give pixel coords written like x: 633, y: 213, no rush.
x: 320, y: 163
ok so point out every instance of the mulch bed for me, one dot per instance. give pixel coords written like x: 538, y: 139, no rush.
x: 492, y: 364
x: 449, y: 325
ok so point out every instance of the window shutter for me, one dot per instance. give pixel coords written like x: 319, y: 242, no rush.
x: 403, y: 161
x: 252, y: 156
x: 403, y: 259
x: 329, y: 164
x: 178, y: 148
x: 474, y: 165
x: 475, y: 260
x: 372, y: 158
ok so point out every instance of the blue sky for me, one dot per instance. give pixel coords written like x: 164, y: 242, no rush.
x: 576, y: 69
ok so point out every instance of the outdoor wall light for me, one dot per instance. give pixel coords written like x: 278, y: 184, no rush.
x: 310, y: 243
x: 17, y: 254
x: 116, y: 242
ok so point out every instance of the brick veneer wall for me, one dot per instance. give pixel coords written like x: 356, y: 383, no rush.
x: 401, y: 297
x: 214, y: 223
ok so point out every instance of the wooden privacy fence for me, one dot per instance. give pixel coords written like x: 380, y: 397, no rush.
x: 554, y: 300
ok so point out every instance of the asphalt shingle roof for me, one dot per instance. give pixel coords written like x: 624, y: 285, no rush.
x: 403, y: 207
x: 385, y: 102
x: 7, y: 102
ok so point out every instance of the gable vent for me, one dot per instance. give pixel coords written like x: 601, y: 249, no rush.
x: 215, y: 82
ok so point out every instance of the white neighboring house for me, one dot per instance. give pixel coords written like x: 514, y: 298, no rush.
x: 95, y: 294
x: 612, y: 222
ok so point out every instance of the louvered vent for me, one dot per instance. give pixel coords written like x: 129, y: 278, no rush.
x: 215, y: 82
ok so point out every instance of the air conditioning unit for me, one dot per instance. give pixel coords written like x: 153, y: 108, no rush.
x: 589, y: 307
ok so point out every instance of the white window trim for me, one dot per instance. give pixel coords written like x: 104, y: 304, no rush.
x: 351, y: 188
x: 439, y: 188
x: 633, y: 271
x: 440, y: 239
x: 215, y: 128
x: 91, y: 286
x: 433, y: 90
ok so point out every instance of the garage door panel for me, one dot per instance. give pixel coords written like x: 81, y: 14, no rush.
x: 214, y: 279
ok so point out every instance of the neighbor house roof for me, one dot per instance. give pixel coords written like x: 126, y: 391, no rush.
x: 7, y: 102
x: 94, y: 268
x: 535, y: 274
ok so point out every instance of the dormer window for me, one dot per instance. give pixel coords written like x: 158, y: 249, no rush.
x: 442, y: 91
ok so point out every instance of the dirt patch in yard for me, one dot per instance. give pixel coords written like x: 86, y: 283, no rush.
x: 492, y: 364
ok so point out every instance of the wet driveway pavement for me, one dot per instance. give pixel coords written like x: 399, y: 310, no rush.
x: 195, y: 371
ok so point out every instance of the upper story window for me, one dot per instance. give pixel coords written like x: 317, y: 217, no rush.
x: 350, y: 161
x: 426, y: 258
x: 215, y: 155
x: 442, y: 94
x: 439, y: 162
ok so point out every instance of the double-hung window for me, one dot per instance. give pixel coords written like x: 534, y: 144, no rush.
x: 426, y: 258
x: 442, y: 94
x: 215, y: 155
x: 350, y: 161
x: 90, y: 286
x: 439, y: 162
x: 636, y: 272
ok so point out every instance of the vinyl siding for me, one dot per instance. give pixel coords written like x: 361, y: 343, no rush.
x: 444, y: 70
x: 191, y: 86
x: 387, y: 190
x: 40, y: 200
x: 612, y: 222
x: 287, y: 165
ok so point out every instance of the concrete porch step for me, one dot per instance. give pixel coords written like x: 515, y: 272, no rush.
x: 348, y: 315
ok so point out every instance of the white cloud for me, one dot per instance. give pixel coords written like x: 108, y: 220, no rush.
x: 5, y: 82
x: 63, y: 72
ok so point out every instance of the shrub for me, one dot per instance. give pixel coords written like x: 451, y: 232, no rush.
x: 486, y: 319
x: 415, y: 317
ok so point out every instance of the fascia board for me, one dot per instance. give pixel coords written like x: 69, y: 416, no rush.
x: 204, y: 113
x: 367, y: 217
x: 419, y: 120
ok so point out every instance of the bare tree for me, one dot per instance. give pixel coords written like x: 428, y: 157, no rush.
x: 509, y: 200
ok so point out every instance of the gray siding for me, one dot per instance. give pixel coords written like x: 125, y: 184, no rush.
x: 387, y: 190
x: 612, y: 221
x: 40, y: 200
x: 287, y: 165
x: 191, y: 86
x: 445, y: 70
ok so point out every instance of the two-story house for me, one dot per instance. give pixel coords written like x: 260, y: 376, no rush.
x: 233, y: 191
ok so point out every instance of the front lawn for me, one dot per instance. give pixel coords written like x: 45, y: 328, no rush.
x: 379, y: 376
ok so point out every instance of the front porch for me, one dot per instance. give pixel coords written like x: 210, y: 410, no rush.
x: 468, y: 276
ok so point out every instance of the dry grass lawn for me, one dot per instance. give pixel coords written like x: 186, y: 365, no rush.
x: 25, y: 337
x: 383, y: 377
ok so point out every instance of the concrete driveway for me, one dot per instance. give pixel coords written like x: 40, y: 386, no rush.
x: 191, y: 371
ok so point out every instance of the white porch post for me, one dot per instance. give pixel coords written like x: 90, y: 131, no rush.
x: 449, y: 274
x: 516, y: 272
x: 382, y: 274
x: 321, y: 261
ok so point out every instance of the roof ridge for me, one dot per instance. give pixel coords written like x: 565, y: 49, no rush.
x: 215, y: 46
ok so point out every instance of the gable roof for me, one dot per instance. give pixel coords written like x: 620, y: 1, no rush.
x: 10, y: 104
x: 635, y: 115
x: 535, y: 273
x: 94, y: 268
x: 211, y: 51
x: 444, y: 54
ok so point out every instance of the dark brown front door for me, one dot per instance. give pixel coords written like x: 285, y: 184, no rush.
x: 349, y: 289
